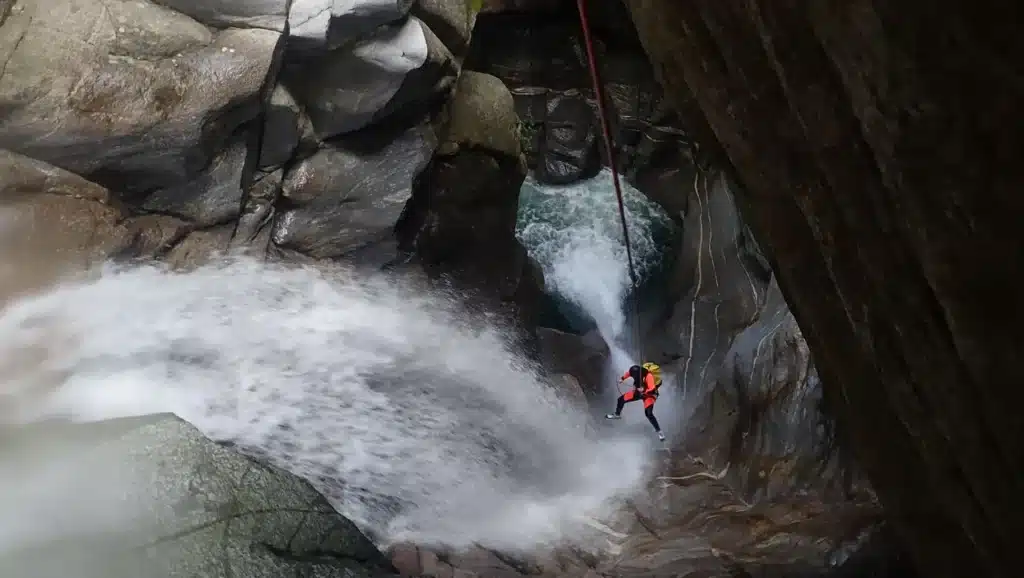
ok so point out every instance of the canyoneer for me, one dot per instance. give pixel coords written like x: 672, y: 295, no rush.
x: 646, y: 381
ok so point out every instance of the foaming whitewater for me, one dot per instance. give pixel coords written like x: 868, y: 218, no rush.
x: 417, y: 424
x: 575, y: 234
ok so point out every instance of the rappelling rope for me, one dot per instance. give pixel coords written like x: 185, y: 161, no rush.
x: 606, y: 131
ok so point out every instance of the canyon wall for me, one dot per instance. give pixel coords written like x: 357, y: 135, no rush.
x: 878, y: 158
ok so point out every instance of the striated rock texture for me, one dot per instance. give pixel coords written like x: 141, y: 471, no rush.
x: 741, y: 374
x: 166, y: 501
x: 692, y: 523
x: 479, y: 562
x: 877, y: 155
x: 287, y: 129
x: 536, y: 49
x: 755, y: 477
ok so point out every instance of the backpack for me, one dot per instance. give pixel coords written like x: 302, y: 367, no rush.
x: 655, y: 370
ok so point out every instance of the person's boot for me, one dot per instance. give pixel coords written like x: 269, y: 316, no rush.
x: 613, y: 416
x: 661, y: 436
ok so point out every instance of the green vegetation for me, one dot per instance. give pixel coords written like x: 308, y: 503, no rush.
x: 473, y: 7
x: 527, y: 132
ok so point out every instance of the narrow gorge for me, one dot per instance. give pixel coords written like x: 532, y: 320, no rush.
x: 338, y: 289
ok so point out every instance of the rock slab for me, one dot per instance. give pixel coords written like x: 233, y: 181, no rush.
x: 151, y: 496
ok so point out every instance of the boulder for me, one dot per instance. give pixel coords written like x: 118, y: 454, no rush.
x: 151, y: 236
x: 287, y: 130
x: 470, y: 219
x: 582, y: 356
x: 328, y: 24
x: 198, y: 247
x: 569, y: 388
x: 57, y: 224
x: 451, y: 20
x: 215, y: 195
x: 569, y: 146
x: 482, y: 114
x: 122, y: 93
x: 349, y: 195
x: 662, y: 164
x: 882, y: 175
x: 269, y: 14
x: 400, y: 68
x: 24, y: 178
x: 151, y: 496
x: 460, y: 222
x: 536, y: 49
x: 54, y: 223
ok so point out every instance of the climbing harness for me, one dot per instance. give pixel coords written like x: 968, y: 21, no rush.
x: 606, y: 131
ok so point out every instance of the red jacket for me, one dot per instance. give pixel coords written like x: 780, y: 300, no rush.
x: 648, y: 385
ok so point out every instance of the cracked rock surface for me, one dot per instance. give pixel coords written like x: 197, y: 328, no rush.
x: 183, y: 506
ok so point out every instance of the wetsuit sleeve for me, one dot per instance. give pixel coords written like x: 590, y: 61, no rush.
x: 624, y: 376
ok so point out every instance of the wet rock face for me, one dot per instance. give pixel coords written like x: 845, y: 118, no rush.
x: 691, y: 523
x: 451, y: 20
x: 412, y: 561
x: 461, y: 220
x: 697, y: 524
x: 582, y: 356
x: 269, y: 14
x: 244, y: 138
x: 348, y: 196
x: 759, y: 413
x: 52, y: 221
x: 401, y: 67
x: 328, y: 24
x: 882, y: 183
x: 232, y: 516
x: 741, y: 378
x: 537, y: 51
x: 134, y: 110
x: 741, y: 385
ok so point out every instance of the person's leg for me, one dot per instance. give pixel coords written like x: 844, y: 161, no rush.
x: 649, y: 412
x: 623, y: 400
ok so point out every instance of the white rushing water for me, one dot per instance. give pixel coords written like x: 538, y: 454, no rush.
x: 416, y: 426
x: 575, y: 234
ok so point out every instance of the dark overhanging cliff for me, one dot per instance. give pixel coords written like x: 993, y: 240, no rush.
x: 877, y: 149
